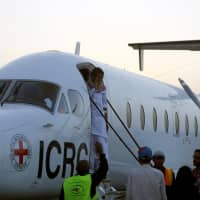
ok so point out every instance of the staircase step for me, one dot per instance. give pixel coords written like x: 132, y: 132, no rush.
x: 108, y: 192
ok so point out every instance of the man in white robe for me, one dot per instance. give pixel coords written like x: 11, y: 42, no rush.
x: 97, y: 92
x: 145, y: 182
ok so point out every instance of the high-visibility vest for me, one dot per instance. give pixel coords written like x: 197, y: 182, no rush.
x: 168, y: 177
x: 96, y: 196
x: 78, y: 188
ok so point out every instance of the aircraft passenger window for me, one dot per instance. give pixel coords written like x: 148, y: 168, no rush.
x: 4, y: 84
x: 154, y: 119
x: 128, y: 114
x: 142, y: 117
x: 63, y: 108
x: 166, y: 121
x: 76, y: 102
x: 177, y: 123
x: 195, y: 126
x: 42, y: 94
x: 186, y: 125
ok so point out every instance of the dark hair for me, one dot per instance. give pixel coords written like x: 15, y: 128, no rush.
x: 184, y: 176
x: 97, y: 70
x: 184, y: 187
x: 145, y: 160
x: 197, y: 150
x: 82, y: 167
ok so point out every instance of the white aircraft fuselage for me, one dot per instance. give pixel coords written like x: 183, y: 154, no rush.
x: 45, y: 122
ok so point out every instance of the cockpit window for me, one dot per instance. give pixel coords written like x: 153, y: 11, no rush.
x: 38, y: 93
x: 4, y: 84
x: 76, y: 102
x: 62, y: 107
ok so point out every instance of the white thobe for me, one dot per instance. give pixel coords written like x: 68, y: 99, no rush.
x: 98, y: 126
x: 146, y: 183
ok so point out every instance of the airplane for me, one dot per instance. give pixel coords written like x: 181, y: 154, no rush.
x: 46, y: 122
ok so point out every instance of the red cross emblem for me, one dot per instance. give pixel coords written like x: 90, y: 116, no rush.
x: 20, y: 152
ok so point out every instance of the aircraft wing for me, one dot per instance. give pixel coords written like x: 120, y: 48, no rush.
x: 192, y: 45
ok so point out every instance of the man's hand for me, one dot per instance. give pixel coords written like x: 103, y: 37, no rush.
x: 99, y: 149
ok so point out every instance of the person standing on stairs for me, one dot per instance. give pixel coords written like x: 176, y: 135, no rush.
x: 97, y: 92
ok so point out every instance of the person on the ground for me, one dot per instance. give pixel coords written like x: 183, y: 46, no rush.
x: 145, y: 182
x: 196, y: 170
x: 184, y: 185
x: 159, y: 160
x: 82, y: 186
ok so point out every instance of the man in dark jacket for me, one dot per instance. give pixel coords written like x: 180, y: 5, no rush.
x: 196, y: 170
x: 159, y: 159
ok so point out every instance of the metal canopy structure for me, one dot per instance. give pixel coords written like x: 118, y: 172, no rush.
x: 192, y: 45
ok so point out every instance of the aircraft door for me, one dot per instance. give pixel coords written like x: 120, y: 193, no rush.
x: 80, y: 112
x: 72, y: 114
x: 58, y: 121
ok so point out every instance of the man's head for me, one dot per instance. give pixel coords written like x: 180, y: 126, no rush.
x: 97, y: 76
x: 82, y: 167
x: 158, y: 159
x: 144, y: 155
x: 196, y: 158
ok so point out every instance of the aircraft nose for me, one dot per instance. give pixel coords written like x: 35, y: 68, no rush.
x: 2, y: 161
x: 4, y: 165
x: 15, y: 157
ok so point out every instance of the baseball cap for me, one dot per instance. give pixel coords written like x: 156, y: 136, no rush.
x: 145, y: 153
x: 159, y: 154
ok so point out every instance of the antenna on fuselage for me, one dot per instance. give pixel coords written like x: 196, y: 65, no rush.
x: 77, y: 49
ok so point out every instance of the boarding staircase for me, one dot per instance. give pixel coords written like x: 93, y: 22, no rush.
x: 108, y: 192
x: 105, y: 189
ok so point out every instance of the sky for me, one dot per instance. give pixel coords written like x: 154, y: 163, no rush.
x: 104, y: 29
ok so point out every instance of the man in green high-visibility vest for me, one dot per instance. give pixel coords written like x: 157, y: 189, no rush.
x: 83, y: 185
